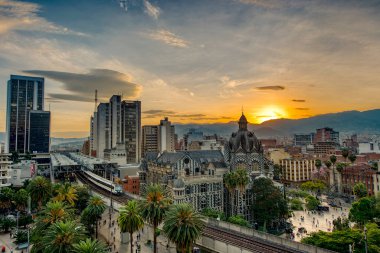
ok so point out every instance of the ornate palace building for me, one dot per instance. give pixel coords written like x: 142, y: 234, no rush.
x: 195, y: 177
x: 244, y: 151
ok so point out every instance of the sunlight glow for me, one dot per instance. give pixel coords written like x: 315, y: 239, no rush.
x: 268, y: 113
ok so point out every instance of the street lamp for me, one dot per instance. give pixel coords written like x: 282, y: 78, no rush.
x: 365, y: 239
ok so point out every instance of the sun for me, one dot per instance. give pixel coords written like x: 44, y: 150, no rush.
x: 268, y: 113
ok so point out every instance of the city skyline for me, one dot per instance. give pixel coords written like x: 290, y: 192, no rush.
x: 196, y: 62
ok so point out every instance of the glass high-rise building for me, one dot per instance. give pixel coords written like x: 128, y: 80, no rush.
x: 39, y: 132
x: 24, y: 94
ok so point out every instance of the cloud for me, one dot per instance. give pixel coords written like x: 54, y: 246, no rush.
x: 159, y: 112
x: 81, y: 87
x: 267, y: 3
x: 23, y: 16
x: 152, y: 10
x: 302, y: 109
x: 168, y: 38
x: 299, y: 100
x: 277, y: 87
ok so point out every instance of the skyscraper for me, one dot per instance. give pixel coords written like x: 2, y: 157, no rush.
x: 39, y: 132
x: 131, y: 129
x: 159, y: 138
x: 166, y: 136
x: 23, y: 95
x: 116, y: 124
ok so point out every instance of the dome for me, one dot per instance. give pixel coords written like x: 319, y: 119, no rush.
x: 244, y: 139
x: 179, y: 183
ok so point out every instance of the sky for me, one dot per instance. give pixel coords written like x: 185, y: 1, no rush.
x: 198, y: 61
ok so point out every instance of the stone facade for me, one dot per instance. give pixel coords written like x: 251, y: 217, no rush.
x: 194, y: 177
x: 244, y: 151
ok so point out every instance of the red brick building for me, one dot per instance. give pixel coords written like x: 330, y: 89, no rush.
x: 131, y: 184
x: 361, y: 173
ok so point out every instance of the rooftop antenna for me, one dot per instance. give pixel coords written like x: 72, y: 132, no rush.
x: 96, y: 100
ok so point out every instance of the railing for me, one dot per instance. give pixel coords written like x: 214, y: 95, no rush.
x: 268, y: 237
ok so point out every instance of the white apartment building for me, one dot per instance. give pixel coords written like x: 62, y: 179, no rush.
x: 369, y: 147
x: 294, y: 170
x: 5, y: 164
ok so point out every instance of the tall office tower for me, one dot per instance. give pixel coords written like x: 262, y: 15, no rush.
x: 149, y: 139
x: 115, y: 120
x: 326, y: 134
x: 92, y: 144
x: 131, y: 129
x: 166, y: 136
x: 39, y: 132
x: 103, y: 136
x: 23, y: 95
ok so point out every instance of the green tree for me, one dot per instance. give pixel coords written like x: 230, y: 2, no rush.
x: 312, y: 203
x: 328, y: 164
x: 90, y: 246
x: 333, y: 162
x: 83, y: 195
x: 21, y: 199
x: 130, y: 220
x: 7, y: 224
x: 40, y: 190
x: 212, y: 213
x: 183, y: 226
x: 242, y: 179
x: 239, y: 220
x: 345, y: 153
x: 94, y: 210
x: 341, y: 224
x: 21, y: 237
x: 277, y: 172
x: 318, y: 164
x: 66, y: 193
x: 352, y: 158
x: 363, y: 210
x: 314, y: 186
x: 61, y: 237
x: 15, y: 157
x: 6, y: 197
x: 296, y: 204
x: 269, y: 205
x: 340, y: 167
x: 360, y: 190
x: 337, y: 241
x: 53, y: 212
x: 154, y: 204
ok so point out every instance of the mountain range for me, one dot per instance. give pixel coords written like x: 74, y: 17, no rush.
x: 346, y: 122
x: 361, y: 122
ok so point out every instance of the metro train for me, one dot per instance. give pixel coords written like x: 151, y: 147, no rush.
x: 103, y: 183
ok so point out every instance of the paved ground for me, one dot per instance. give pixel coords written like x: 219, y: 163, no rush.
x: 112, y: 234
x: 6, y: 241
x: 314, y: 222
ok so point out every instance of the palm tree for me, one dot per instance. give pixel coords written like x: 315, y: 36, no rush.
x: 345, y: 153
x: 156, y: 201
x: 21, y: 199
x: 333, y: 161
x: 52, y: 213
x: 94, y: 210
x: 352, y: 158
x: 61, y: 236
x: 40, y: 190
x: 90, y: 246
x: 242, y: 179
x: 183, y: 226
x: 130, y: 219
x: 66, y: 192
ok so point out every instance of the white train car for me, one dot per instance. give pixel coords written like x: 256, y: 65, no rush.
x: 103, y: 183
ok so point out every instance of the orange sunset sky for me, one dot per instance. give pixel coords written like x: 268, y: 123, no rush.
x: 195, y: 61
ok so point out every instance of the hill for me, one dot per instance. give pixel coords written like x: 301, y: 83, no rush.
x: 347, y: 122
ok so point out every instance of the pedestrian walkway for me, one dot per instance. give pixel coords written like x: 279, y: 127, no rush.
x: 316, y: 221
x: 109, y: 232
